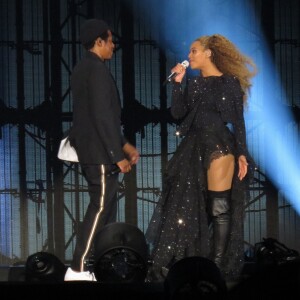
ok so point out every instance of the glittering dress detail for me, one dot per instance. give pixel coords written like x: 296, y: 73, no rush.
x: 211, y: 110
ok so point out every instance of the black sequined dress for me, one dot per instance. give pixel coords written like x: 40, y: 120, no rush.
x: 211, y: 109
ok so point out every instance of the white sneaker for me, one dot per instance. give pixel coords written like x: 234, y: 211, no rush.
x: 79, y: 276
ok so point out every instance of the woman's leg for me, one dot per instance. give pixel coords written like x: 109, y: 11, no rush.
x: 219, y: 175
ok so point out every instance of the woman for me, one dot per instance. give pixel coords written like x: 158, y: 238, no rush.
x: 201, y: 209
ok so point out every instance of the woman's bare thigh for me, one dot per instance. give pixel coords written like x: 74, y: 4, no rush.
x: 220, y: 173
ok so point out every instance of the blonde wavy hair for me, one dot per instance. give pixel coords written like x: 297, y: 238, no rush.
x: 229, y: 60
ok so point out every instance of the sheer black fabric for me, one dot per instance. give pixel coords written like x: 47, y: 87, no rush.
x: 180, y: 226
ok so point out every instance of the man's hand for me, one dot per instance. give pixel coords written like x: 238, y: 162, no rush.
x: 131, y: 153
x: 124, y: 166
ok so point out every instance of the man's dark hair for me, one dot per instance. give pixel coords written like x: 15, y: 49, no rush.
x: 104, y: 36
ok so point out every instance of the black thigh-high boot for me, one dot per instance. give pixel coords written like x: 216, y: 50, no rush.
x: 219, y: 213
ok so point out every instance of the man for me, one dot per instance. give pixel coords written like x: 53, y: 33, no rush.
x: 97, y: 136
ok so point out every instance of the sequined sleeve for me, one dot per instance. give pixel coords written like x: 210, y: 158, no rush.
x: 179, y: 105
x: 232, y: 111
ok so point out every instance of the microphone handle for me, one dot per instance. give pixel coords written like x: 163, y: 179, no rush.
x: 115, y: 170
x: 169, y: 78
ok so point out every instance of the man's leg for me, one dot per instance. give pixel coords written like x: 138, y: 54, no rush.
x: 100, y: 211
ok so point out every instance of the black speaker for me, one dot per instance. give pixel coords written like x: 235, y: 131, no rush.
x: 121, y: 254
x: 195, y: 278
x: 271, y: 252
x: 43, y: 266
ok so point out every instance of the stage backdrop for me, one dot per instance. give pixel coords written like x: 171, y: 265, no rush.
x: 43, y: 199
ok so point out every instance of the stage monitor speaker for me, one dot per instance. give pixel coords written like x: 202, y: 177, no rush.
x: 121, y: 254
x: 195, y: 278
x: 271, y: 252
x: 43, y: 266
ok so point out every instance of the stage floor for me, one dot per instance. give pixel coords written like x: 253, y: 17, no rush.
x: 281, y: 282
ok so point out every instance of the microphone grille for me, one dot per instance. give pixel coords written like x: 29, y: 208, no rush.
x: 185, y: 63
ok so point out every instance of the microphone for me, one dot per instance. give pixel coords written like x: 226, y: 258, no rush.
x: 185, y: 64
x: 114, y: 170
